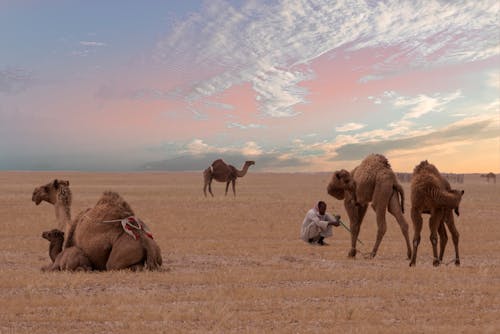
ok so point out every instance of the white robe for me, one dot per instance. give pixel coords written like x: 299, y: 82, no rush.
x: 316, y: 225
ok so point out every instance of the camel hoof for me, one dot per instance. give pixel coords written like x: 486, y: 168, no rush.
x: 436, y: 263
x: 412, y: 264
x: 352, y: 253
x: 372, y: 255
x: 457, y: 263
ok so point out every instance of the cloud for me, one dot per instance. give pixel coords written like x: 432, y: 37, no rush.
x: 270, y: 46
x: 349, y: 127
x: 424, y: 104
x: 15, y: 80
x: 92, y: 43
x: 476, y: 128
x: 243, y: 126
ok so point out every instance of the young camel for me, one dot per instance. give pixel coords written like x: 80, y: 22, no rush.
x: 72, y: 258
x: 373, y: 181
x: 222, y: 172
x: 431, y: 193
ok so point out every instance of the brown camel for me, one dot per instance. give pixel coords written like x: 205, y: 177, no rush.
x: 372, y: 181
x: 107, y: 245
x: 222, y: 172
x: 72, y: 258
x: 431, y: 193
x: 58, y: 194
x: 56, y: 239
x: 489, y: 176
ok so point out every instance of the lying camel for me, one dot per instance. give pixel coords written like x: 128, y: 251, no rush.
x: 99, y: 234
x: 71, y: 258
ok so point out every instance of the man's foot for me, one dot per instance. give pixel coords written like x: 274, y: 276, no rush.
x: 321, y: 242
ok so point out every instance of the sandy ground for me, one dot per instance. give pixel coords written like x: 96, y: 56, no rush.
x: 237, y: 265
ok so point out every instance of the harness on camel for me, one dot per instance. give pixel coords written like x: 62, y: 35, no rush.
x: 132, y: 226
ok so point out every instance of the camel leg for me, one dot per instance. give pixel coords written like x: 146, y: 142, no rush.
x: 227, y: 187
x: 396, y: 210
x: 443, y: 239
x: 380, y: 204
x: 434, y: 221
x: 233, y: 184
x: 356, y: 214
x: 454, y: 235
x: 126, y: 253
x: 210, y: 187
x: 416, y: 217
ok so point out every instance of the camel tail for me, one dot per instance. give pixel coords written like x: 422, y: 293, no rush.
x: 401, y: 192
x: 153, y: 253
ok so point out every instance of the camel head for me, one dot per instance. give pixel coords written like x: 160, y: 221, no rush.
x: 341, y: 181
x: 249, y: 163
x: 53, y: 235
x: 48, y: 192
x: 458, y: 194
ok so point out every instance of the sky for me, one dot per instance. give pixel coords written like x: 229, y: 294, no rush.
x: 296, y: 86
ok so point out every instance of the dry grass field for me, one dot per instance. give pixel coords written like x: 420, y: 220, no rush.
x: 237, y: 265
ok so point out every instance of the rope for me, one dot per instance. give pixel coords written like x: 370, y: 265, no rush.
x: 365, y: 255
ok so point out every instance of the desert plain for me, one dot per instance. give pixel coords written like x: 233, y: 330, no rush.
x: 237, y: 265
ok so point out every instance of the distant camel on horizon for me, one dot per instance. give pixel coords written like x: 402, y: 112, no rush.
x: 489, y: 176
x: 222, y: 172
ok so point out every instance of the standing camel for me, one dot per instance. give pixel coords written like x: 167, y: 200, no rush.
x: 431, y: 193
x: 222, y: 172
x: 373, y: 181
x: 489, y: 176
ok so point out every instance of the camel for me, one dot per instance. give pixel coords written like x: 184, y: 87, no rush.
x: 222, y: 172
x: 448, y: 218
x: 56, y: 239
x: 489, y: 176
x: 58, y: 194
x: 106, y: 244
x: 72, y: 258
x: 431, y: 193
x: 372, y: 181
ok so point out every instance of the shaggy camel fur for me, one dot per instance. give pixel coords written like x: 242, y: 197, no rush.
x: 431, y: 193
x: 107, y: 245
x: 372, y: 181
x: 58, y: 194
x: 72, y: 258
x: 222, y: 172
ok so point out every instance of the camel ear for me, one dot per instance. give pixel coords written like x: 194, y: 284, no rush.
x: 55, y: 184
x: 337, y: 175
x: 463, y: 192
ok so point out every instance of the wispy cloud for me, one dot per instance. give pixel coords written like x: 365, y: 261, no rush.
x: 15, y: 80
x: 243, y: 126
x: 424, y: 104
x: 92, y: 43
x: 349, y: 127
x: 271, y: 46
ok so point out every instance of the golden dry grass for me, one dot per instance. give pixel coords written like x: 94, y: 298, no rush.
x: 236, y: 265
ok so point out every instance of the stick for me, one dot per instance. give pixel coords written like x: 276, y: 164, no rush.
x: 347, y: 228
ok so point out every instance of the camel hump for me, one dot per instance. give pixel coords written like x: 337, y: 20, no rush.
x: 218, y: 163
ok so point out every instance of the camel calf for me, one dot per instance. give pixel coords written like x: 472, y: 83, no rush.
x: 431, y: 193
x: 71, y: 258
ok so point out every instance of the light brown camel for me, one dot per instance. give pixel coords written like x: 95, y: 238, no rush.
x: 58, y: 194
x: 372, y: 181
x: 72, y: 258
x: 107, y: 245
x: 222, y: 172
x: 489, y: 176
x: 431, y: 193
